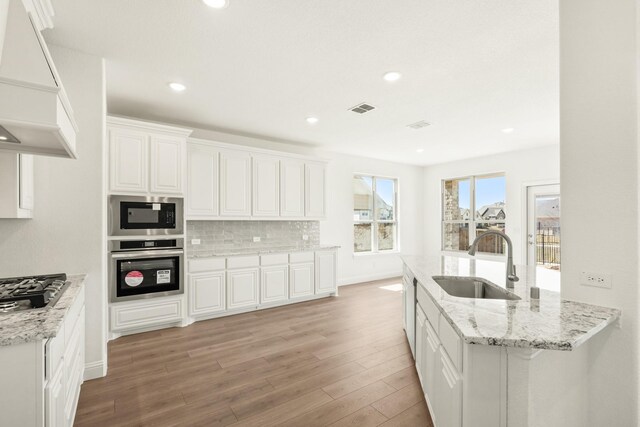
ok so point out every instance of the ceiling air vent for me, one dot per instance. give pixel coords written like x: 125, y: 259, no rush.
x: 419, y: 125
x: 362, y: 108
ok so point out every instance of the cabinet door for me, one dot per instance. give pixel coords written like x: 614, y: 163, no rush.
x: 206, y: 293
x: 325, y: 272
x: 291, y: 188
x: 55, y: 400
x: 274, y: 283
x: 235, y: 183
x: 315, y: 176
x: 167, y: 157
x: 26, y: 182
x: 448, y: 393
x: 266, y: 186
x: 202, y: 182
x: 301, y: 280
x: 128, y: 158
x: 242, y: 288
x: 420, y: 344
x: 431, y: 360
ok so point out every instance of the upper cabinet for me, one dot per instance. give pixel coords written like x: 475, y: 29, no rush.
x: 225, y: 182
x: 39, y: 119
x: 16, y: 193
x: 202, y: 182
x: 266, y: 186
x: 146, y: 158
x: 315, y: 179
x: 292, y: 188
x: 235, y: 183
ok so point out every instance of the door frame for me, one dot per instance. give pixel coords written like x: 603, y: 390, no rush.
x: 524, y: 215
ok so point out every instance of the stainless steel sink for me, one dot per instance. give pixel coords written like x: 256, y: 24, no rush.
x: 473, y: 287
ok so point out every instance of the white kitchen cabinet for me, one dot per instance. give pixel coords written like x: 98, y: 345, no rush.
x: 202, y: 182
x: 266, y: 186
x: 235, y: 183
x: 54, y: 395
x: 207, y: 293
x: 137, y: 315
x: 325, y: 266
x: 315, y: 200
x: 146, y: 158
x: 301, y: 279
x: 421, y: 333
x: 274, y: 283
x: 410, y: 306
x: 17, y: 193
x: 292, y: 188
x: 448, y: 399
x: 166, y: 163
x: 128, y: 160
x: 431, y: 359
x: 242, y: 288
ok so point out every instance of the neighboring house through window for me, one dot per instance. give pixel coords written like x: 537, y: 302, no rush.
x: 375, y: 227
x: 471, y: 206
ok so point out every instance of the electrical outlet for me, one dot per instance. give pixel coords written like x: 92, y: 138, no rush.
x: 195, y: 241
x: 595, y: 279
x: 256, y: 239
x: 305, y: 237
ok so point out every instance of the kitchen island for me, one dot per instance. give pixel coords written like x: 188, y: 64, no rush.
x: 498, y: 362
x: 42, y: 354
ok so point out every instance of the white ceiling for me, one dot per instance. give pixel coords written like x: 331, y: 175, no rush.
x: 471, y: 68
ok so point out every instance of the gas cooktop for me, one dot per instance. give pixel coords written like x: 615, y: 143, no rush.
x: 24, y: 293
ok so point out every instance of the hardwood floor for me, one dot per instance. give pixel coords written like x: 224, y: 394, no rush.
x: 332, y: 362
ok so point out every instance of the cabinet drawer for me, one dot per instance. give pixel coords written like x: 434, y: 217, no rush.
x: 74, y: 315
x: 54, y: 350
x: 274, y: 259
x: 429, y: 307
x: 301, y: 257
x: 144, y: 314
x: 206, y: 264
x: 451, y: 342
x: 243, y: 262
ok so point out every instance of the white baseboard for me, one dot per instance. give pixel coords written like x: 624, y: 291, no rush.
x: 369, y: 278
x: 93, y: 370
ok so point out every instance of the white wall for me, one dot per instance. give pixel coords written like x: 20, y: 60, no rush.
x: 67, y: 232
x: 338, y: 227
x: 521, y: 168
x: 599, y: 173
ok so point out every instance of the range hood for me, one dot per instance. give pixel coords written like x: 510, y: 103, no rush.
x: 35, y: 113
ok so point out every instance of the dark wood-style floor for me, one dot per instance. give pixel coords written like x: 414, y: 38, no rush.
x: 336, y: 361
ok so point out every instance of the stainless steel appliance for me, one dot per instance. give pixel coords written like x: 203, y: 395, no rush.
x: 145, y: 215
x: 24, y: 293
x: 145, y: 268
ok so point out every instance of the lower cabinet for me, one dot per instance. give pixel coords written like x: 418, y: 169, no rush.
x: 243, y: 288
x: 142, y: 314
x: 421, y: 349
x: 325, y: 272
x: 274, y: 283
x: 55, y: 400
x: 431, y: 359
x: 448, y: 397
x: 207, y: 293
x: 302, y: 280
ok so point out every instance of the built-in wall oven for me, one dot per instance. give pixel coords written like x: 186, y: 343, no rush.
x: 145, y: 215
x: 145, y: 268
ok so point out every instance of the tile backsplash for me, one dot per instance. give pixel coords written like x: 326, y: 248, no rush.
x: 225, y: 235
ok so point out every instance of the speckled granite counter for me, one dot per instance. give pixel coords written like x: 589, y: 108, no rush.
x: 40, y: 323
x: 549, y: 323
x: 260, y: 251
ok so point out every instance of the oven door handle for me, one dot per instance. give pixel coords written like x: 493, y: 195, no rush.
x: 144, y: 254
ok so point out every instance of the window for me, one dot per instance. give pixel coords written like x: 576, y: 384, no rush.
x: 375, y: 227
x: 471, y: 206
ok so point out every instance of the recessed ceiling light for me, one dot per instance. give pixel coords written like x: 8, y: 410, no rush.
x: 508, y: 130
x: 216, y: 4
x: 3, y: 138
x: 420, y: 150
x: 177, y: 87
x: 392, y: 76
x: 312, y: 120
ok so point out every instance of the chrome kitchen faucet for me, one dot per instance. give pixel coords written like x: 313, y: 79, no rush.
x: 511, y: 269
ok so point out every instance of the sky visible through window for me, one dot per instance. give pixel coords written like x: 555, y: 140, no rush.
x: 385, y: 190
x: 488, y: 191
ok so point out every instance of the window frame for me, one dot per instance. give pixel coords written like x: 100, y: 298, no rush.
x: 472, y: 221
x: 374, y: 221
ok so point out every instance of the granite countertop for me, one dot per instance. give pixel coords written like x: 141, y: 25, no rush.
x: 259, y: 251
x: 550, y: 323
x: 40, y: 323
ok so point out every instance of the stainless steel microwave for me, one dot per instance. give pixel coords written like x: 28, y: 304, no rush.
x: 145, y: 216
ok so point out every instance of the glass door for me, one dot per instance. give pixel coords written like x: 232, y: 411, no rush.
x: 543, y: 234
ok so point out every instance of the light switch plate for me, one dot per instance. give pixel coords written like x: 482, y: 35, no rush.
x: 305, y: 237
x: 256, y: 239
x: 598, y: 280
x: 195, y: 241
